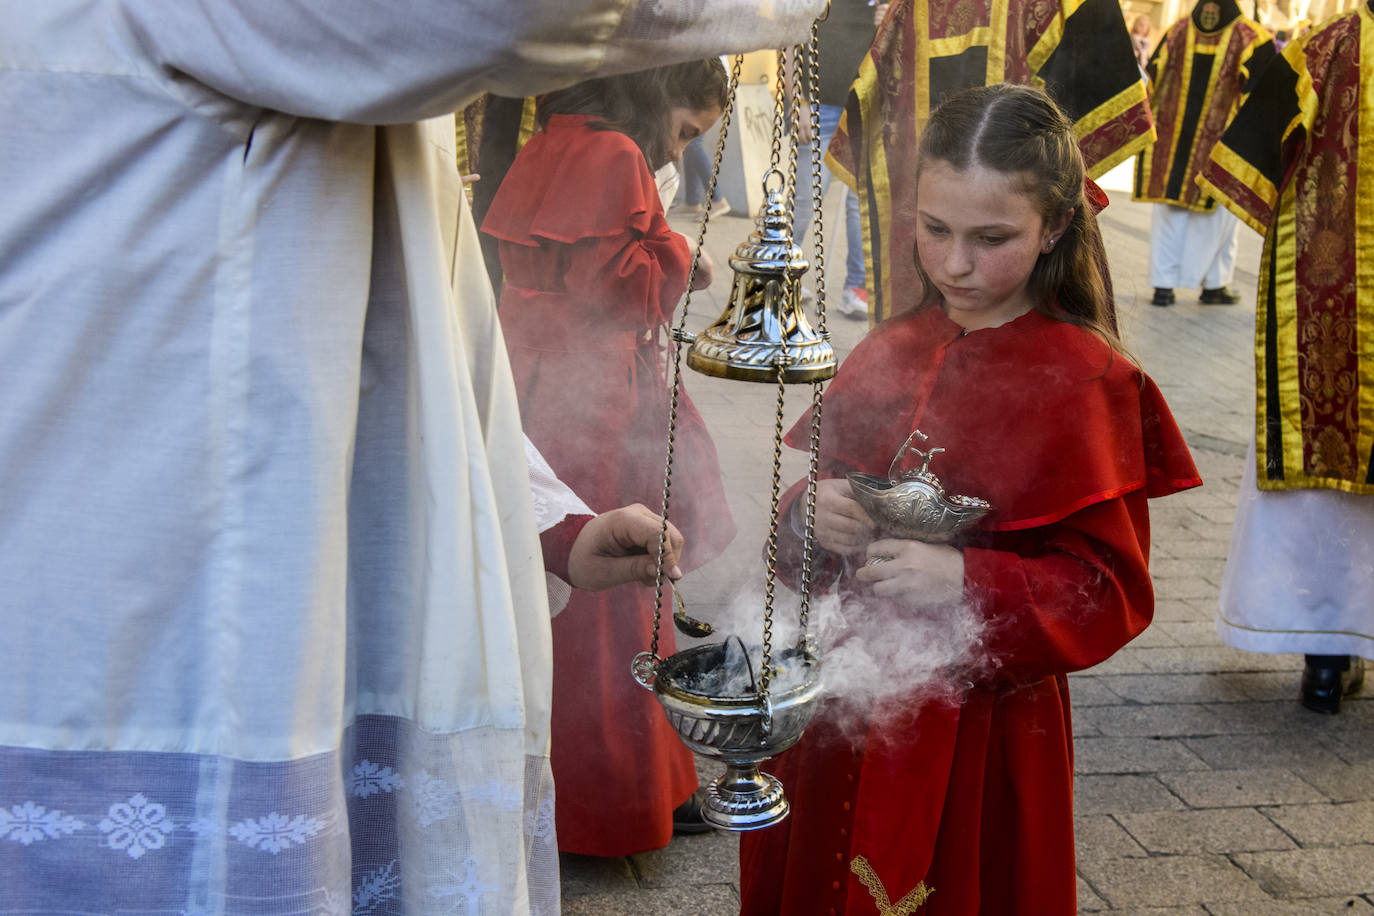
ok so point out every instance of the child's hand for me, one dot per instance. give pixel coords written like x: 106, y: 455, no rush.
x: 842, y: 525
x: 915, y: 573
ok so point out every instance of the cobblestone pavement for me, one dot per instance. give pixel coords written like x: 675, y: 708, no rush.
x: 1202, y: 786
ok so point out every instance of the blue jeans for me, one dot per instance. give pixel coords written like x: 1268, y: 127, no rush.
x: 696, y: 173
x: 853, y: 230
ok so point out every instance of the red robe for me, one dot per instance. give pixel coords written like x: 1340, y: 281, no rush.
x: 593, y: 274
x: 1066, y: 440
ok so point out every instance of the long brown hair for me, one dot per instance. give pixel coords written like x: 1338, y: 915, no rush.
x: 638, y: 104
x: 1019, y: 131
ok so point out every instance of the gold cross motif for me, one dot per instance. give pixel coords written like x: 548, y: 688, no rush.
x: 904, y: 907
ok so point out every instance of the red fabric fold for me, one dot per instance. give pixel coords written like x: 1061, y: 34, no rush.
x: 575, y: 183
x: 556, y: 544
x: 1076, y: 424
x: 1097, y: 198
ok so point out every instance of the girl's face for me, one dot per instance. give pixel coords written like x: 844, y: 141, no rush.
x: 978, y: 235
x: 685, y: 125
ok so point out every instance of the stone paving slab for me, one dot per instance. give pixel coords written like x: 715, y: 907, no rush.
x: 1312, y: 872
x: 1112, y: 794
x: 1174, y: 688
x: 1103, y: 837
x: 1167, y: 720
x: 1088, y: 901
x: 1239, y: 788
x: 1270, y: 716
x: 1311, y: 906
x: 1203, y: 787
x: 1209, y: 830
x: 1164, y: 881
x: 700, y: 900
x: 1224, y: 752
x: 1337, y: 824
x: 709, y: 858
x: 1342, y: 782
x: 1133, y: 755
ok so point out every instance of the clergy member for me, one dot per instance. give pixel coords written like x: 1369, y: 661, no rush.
x: 1298, y: 576
x: 1078, y: 50
x: 1198, y: 74
x: 275, y: 626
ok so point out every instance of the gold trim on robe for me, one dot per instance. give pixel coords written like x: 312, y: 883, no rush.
x: 1297, y: 164
x: 1078, y: 51
x: 1188, y: 124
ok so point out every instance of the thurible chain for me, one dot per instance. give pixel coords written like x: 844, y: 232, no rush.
x: 812, y: 59
x: 678, y: 336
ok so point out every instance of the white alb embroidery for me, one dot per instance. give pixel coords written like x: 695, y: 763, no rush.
x: 468, y: 887
x: 31, y: 822
x: 369, y: 779
x: 434, y: 798
x: 276, y: 832
x: 539, y: 821
x: 136, y: 826
x: 376, y: 887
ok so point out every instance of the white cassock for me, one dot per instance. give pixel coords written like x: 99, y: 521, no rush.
x: 275, y: 629
x: 1299, y: 572
x: 1190, y: 249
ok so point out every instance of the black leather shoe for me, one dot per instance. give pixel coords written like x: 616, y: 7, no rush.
x: 1221, y: 295
x: 1163, y: 296
x: 688, y: 817
x: 1326, y: 679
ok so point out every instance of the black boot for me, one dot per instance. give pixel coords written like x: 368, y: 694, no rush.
x: 1163, y: 296
x: 688, y: 816
x: 1328, y: 678
x: 1219, y: 295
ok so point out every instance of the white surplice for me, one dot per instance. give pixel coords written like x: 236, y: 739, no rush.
x: 275, y: 629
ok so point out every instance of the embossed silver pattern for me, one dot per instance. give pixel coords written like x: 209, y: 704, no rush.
x: 739, y: 731
x: 763, y: 326
x: 913, y: 504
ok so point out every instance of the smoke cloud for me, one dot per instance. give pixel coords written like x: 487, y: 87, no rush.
x: 879, y: 660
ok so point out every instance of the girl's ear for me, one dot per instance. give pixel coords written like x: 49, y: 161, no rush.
x: 1053, y: 233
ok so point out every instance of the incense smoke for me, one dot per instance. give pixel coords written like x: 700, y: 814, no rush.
x: 879, y: 661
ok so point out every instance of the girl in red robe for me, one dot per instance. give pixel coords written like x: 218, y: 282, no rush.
x: 592, y: 276
x: 1010, y: 364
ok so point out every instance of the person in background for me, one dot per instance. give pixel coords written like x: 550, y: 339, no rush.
x: 844, y: 38
x: 1009, y: 365
x: 926, y: 51
x: 1140, y: 37
x: 593, y: 274
x: 696, y: 176
x: 1202, y: 68
x: 276, y: 629
x: 1298, y: 576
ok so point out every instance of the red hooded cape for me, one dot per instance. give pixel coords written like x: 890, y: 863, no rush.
x: 592, y: 275
x: 1066, y: 439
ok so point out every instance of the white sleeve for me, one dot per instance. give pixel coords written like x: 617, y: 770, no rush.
x: 668, y: 179
x: 553, y: 502
x: 407, y: 60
